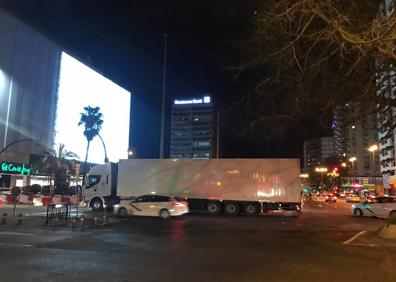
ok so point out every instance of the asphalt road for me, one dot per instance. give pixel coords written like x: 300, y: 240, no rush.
x: 316, y: 245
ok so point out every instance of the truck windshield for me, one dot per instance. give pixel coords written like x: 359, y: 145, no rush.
x: 92, y: 180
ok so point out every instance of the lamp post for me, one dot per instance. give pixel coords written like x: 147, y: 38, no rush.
x: 321, y: 170
x: 372, y: 149
x: 352, y: 160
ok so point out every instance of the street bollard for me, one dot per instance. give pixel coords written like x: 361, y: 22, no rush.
x: 74, y: 222
x: 19, y: 219
x: 4, y: 218
x: 95, y: 218
x: 104, y: 219
x: 82, y: 222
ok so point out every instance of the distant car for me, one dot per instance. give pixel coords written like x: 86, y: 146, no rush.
x: 330, y: 198
x: 152, y: 205
x: 379, y: 207
x: 352, y: 198
x: 318, y: 197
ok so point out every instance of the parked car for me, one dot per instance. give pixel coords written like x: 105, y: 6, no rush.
x: 352, y: 198
x: 331, y: 198
x: 379, y: 207
x: 152, y: 205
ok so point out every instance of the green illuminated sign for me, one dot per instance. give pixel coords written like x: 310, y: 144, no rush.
x: 16, y: 169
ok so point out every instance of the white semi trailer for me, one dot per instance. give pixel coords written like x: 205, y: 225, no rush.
x: 229, y: 186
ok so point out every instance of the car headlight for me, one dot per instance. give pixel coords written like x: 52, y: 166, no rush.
x: 117, y: 206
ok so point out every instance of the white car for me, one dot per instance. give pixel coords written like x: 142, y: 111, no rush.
x: 379, y: 207
x: 152, y: 205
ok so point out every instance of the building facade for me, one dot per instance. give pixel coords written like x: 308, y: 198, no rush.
x: 316, y: 151
x: 192, y: 123
x: 29, y: 73
x: 43, y: 91
x: 386, y: 87
x: 353, y: 135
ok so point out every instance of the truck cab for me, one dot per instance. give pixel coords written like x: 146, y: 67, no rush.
x: 99, y: 189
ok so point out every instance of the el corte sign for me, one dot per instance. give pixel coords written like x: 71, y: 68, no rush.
x: 11, y: 168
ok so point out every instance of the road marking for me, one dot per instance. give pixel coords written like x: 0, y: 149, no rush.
x: 17, y: 245
x: 354, y: 237
x: 367, y: 245
x: 15, y: 233
x: 35, y: 214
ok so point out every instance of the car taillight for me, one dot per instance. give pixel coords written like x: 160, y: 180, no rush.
x: 180, y: 204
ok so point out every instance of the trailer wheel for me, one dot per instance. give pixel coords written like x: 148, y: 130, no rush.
x: 97, y: 204
x: 252, y: 209
x: 214, y: 208
x: 231, y: 208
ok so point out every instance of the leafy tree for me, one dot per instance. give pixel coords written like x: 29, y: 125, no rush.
x: 92, y: 120
x: 303, y: 58
x: 58, y: 163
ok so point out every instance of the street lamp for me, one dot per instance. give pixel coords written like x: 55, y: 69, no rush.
x: 352, y: 160
x: 321, y: 170
x: 372, y: 149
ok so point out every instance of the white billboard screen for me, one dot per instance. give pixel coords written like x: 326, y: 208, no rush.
x: 80, y: 86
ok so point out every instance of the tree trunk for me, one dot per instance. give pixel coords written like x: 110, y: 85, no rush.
x: 85, y: 163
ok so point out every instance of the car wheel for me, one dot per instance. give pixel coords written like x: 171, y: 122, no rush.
x: 165, y: 214
x: 251, y: 209
x: 97, y: 204
x: 231, y: 209
x: 358, y: 212
x: 213, y: 208
x: 122, y: 212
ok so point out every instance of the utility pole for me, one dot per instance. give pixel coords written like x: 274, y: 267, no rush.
x: 163, y: 98
x: 217, y: 135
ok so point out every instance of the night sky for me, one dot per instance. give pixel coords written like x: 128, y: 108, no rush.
x: 123, y: 40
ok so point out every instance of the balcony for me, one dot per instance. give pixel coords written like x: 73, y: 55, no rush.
x: 387, y: 156
x: 387, y: 145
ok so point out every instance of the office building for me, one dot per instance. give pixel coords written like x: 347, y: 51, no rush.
x: 316, y: 151
x: 353, y: 135
x: 191, y: 134
x: 386, y: 87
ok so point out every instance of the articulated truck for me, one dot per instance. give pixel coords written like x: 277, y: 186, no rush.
x: 217, y: 186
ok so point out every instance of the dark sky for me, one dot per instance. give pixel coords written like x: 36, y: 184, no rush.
x: 123, y: 40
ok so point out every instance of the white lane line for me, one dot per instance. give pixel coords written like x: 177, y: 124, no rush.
x: 35, y: 214
x: 16, y: 245
x: 367, y: 245
x: 15, y: 233
x: 354, y: 237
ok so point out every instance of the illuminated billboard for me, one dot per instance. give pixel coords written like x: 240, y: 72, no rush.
x: 79, y: 87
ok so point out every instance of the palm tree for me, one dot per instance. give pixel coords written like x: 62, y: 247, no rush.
x: 57, y: 163
x: 92, y: 121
